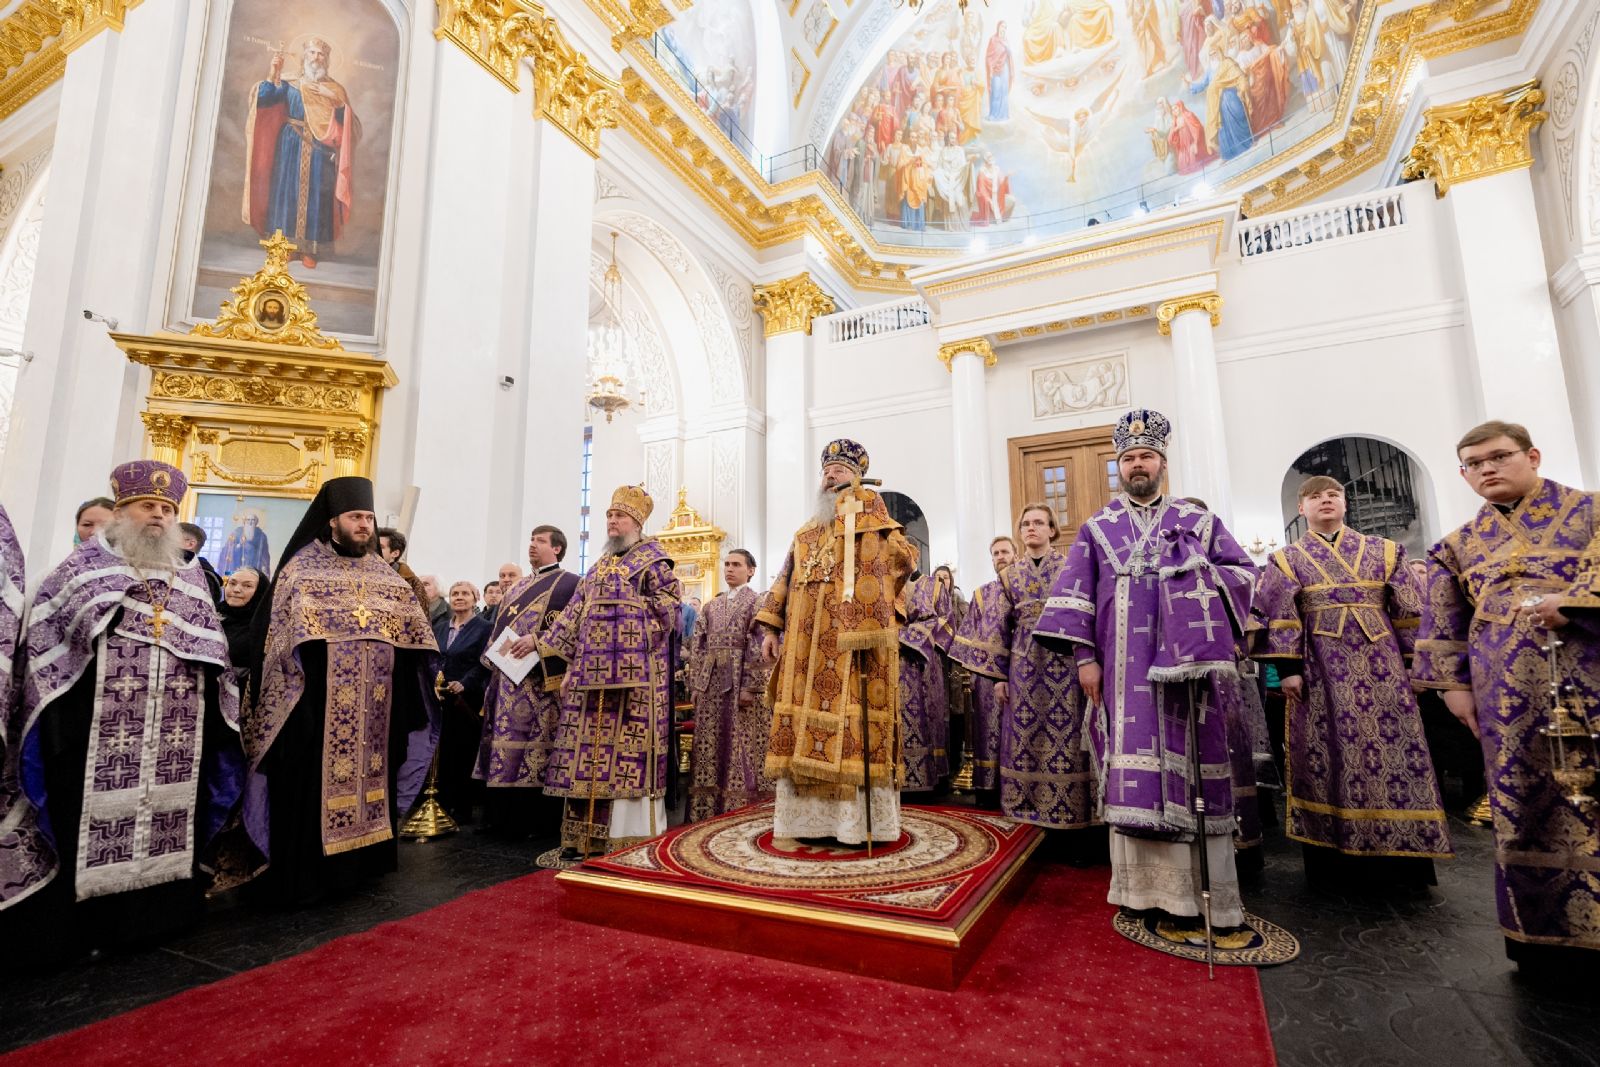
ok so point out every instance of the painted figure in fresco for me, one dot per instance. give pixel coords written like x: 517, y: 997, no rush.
x: 998, y: 68
x: 1228, y: 131
x: 1147, y: 29
x: 300, y: 144
x: 992, y: 199
x: 247, y: 546
x: 1500, y: 588
x: 1190, y: 151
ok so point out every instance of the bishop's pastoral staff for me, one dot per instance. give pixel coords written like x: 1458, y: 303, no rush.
x: 127, y: 729
x: 338, y: 727
x: 833, y: 602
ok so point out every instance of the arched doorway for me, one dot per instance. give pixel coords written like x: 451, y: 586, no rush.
x: 908, y: 513
x: 1384, y: 489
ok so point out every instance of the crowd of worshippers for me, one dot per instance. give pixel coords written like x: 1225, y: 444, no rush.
x: 170, y: 735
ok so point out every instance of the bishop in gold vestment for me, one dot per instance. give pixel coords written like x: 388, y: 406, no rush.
x: 833, y: 603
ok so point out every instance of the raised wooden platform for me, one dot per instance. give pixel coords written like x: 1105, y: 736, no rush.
x: 920, y: 911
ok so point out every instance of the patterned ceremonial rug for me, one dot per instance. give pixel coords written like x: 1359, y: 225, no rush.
x: 943, y: 859
x: 1257, y: 944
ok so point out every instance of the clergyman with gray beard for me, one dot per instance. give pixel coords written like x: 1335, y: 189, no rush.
x: 123, y: 639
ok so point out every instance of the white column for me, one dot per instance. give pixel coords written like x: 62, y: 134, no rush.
x: 1199, y: 451
x: 1511, y: 326
x: 76, y: 409
x: 791, y: 468
x: 1577, y: 290
x: 789, y: 306
x: 556, y: 353
x: 503, y: 294
x: 1479, y: 154
x: 969, y: 445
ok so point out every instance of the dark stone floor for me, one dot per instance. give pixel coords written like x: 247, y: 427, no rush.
x: 1400, y: 979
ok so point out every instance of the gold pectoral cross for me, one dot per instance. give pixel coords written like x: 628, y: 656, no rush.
x: 360, y: 613
x: 851, y: 508
x: 158, y: 621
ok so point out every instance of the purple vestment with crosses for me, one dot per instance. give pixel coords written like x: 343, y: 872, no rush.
x: 1046, y: 775
x: 973, y: 638
x: 27, y: 861
x: 727, y: 679
x: 617, y: 706
x: 1360, y: 777
x: 156, y: 648
x: 1158, y: 595
x: 925, y: 640
x: 1473, y: 638
x: 520, y: 718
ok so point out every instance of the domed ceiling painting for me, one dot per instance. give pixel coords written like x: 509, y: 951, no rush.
x: 1032, y: 115
x: 715, y: 40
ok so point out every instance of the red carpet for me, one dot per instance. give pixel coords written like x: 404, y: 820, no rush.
x: 496, y: 977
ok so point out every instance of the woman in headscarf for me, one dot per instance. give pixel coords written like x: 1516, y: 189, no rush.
x: 241, y: 593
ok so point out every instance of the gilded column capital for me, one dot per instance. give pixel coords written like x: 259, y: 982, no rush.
x: 977, y: 346
x: 790, y: 305
x: 1487, y: 135
x: 349, y: 446
x: 1210, y: 303
x: 168, y: 434
x: 579, y: 100
x: 82, y: 19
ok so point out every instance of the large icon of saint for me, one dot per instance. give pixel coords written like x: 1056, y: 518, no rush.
x: 246, y: 546
x: 300, y: 144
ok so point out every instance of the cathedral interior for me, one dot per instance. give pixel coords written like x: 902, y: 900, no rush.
x: 500, y: 257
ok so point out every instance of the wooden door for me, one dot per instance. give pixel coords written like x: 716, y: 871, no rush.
x: 1074, y: 471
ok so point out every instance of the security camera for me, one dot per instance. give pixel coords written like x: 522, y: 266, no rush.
x: 110, y: 324
x: 507, y: 381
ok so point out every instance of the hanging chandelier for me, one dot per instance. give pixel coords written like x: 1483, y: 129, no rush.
x: 611, y: 368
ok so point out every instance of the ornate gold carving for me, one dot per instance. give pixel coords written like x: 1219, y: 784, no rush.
x: 1489, y: 134
x: 1210, y: 303
x: 736, y: 191
x: 348, y: 447
x: 270, y: 306
x: 578, y: 99
x: 977, y: 346
x: 500, y: 34
x: 1405, y: 41
x: 82, y: 19
x: 208, y: 470
x: 631, y: 20
x: 790, y: 305
x: 168, y: 434
x: 695, y: 546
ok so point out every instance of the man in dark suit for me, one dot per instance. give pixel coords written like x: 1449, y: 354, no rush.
x: 462, y: 635
x: 193, y: 539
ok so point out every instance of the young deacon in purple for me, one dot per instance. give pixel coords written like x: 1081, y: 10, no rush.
x: 1496, y: 592
x: 1339, y: 612
x: 1152, y: 602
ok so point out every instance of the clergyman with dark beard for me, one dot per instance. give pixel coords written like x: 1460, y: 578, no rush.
x: 123, y: 642
x: 337, y: 727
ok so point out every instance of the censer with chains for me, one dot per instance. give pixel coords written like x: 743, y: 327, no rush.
x: 1566, y: 736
